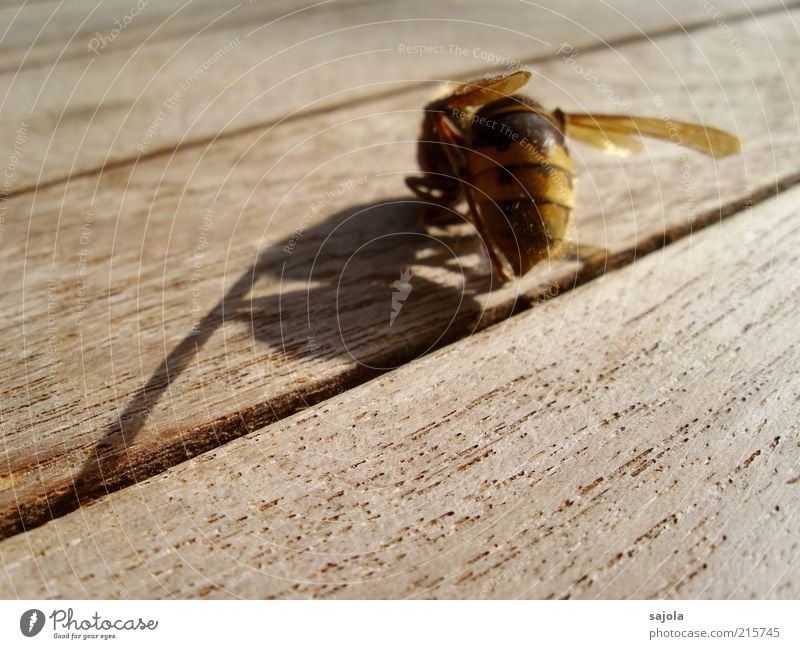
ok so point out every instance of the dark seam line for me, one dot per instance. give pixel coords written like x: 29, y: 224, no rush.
x: 233, y: 425
x: 377, y: 96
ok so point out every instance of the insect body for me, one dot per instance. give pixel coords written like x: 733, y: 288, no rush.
x: 507, y: 156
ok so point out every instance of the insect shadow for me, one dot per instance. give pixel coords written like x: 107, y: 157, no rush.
x: 359, y: 286
x: 343, y: 289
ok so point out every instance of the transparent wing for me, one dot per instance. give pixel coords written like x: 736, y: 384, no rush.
x: 486, y: 90
x: 705, y: 139
x: 611, y: 142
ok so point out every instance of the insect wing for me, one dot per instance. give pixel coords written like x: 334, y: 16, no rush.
x: 612, y: 142
x: 705, y: 139
x: 484, y: 91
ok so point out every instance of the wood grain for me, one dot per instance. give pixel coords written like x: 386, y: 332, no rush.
x: 186, y: 71
x: 635, y: 438
x: 163, y: 315
x: 46, y: 33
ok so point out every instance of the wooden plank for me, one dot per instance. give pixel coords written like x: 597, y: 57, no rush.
x: 166, y: 80
x: 164, y: 316
x: 633, y: 438
x: 44, y: 33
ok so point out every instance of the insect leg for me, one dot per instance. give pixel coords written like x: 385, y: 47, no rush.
x: 441, y: 190
x: 584, y: 252
x: 440, y: 193
x: 455, y: 142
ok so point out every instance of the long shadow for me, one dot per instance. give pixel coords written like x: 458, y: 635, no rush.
x: 348, y: 306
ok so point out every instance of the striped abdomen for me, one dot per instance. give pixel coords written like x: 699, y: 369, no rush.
x: 524, y: 179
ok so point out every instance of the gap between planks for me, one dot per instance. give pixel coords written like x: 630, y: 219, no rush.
x: 262, y: 414
x: 309, y: 113
x: 215, y: 431
x: 652, y: 457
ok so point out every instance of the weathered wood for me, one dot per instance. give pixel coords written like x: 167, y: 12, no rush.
x: 213, y: 68
x: 107, y: 381
x: 45, y: 32
x: 633, y: 438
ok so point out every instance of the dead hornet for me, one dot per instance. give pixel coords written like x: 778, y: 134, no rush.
x: 506, y: 155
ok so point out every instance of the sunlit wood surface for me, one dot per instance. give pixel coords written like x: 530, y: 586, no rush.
x: 203, y: 269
